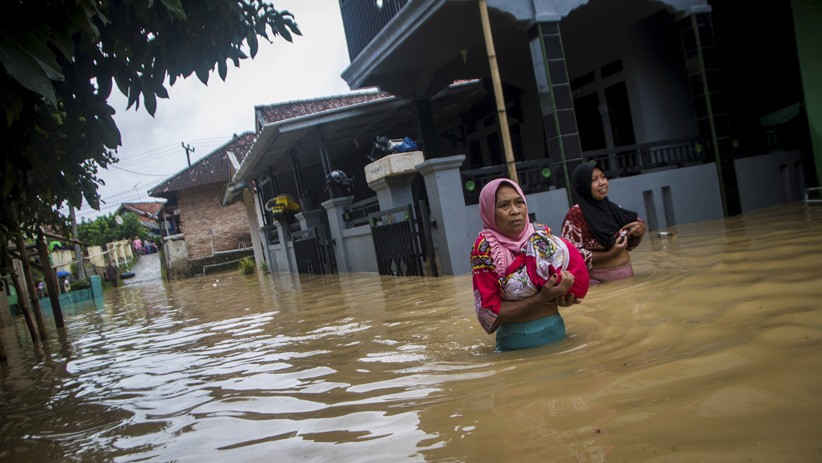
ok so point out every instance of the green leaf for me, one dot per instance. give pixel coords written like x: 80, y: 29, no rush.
x: 13, y: 107
x: 175, y: 8
x: 202, y: 74
x: 122, y: 83
x: 63, y: 42
x: 26, y: 71
x: 162, y: 92
x: 150, y: 102
x: 140, y: 8
x: 8, y: 179
x: 252, y: 43
x: 222, y: 69
x: 104, y: 87
x: 281, y: 29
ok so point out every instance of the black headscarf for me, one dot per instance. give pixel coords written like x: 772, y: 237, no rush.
x: 604, y: 217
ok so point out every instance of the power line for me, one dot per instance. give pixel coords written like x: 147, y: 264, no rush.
x: 140, y: 173
x: 157, y: 153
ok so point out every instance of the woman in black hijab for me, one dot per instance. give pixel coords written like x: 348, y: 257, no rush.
x: 602, y: 231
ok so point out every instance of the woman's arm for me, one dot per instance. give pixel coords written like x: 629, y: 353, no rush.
x: 575, y: 230
x: 620, y: 244
x: 546, y: 302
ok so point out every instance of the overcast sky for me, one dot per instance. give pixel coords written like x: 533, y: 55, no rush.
x: 206, y: 117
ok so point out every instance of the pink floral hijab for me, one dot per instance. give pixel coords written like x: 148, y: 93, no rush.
x: 503, y: 248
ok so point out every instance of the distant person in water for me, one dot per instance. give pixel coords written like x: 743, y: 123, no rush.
x: 602, y: 231
x: 111, y: 274
x: 138, y: 245
x: 520, y: 272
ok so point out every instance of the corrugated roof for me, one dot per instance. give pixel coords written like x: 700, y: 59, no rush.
x: 212, y: 168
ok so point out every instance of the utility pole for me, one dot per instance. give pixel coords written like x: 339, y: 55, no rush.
x: 188, y: 149
x: 78, y: 251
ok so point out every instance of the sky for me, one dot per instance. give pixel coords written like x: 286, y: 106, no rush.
x: 206, y: 117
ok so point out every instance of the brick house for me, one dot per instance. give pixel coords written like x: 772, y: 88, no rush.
x: 198, y: 231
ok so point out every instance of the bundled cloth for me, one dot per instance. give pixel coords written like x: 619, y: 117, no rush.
x: 384, y: 146
x: 338, y: 178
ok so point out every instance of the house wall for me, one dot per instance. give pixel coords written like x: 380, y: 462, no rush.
x: 201, y: 211
x: 684, y: 195
x: 663, y: 198
x: 669, y: 197
x: 176, y: 254
x: 359, y: 249
x: 252, y: 216
x: 770, y: 179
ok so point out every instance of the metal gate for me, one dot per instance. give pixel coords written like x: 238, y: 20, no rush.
x: 397, y: 242
x: 311, y: 253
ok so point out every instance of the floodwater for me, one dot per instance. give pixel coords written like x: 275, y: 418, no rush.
x: 710, y: 353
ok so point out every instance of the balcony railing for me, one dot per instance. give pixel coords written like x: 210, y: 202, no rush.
x: 364, y: 19
x: 623, y: 161
x: 534, y: 176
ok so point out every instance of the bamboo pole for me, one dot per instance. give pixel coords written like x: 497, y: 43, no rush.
x: 501, y: 112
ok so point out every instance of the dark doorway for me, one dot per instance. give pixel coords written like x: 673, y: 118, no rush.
x: 619, y: 114
x: 589, y: 121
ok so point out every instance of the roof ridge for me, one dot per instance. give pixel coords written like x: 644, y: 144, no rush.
x: 368, y: 92
x: 222, y: 149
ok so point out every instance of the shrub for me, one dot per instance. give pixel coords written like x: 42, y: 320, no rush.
x: 247, y: 265
x: 264, y: 267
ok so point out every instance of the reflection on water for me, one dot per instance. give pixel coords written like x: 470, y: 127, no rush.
x: 710, y: 353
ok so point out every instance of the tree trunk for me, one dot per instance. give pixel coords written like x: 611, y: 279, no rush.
x: 24, y: 259
x: 35, y: 303
x: 51, y: 280
x: 22, y: 300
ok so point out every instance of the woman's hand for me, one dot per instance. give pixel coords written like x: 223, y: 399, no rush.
x: 541, y: 304
x: 620, y: 244
x: 568, y: 300
x: 553, y: 291
x: 636, y: 228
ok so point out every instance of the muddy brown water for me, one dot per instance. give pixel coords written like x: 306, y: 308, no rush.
x: 710, y: 353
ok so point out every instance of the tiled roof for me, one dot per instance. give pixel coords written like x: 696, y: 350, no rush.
x: 268, y: 114
x: 151, y: 208
x: 146, y: 212
x: 213, y: 168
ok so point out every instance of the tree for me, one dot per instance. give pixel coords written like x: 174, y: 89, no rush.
x: 60, y: 60
x: 105, y: 229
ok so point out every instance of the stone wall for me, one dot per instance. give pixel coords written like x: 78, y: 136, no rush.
x: 208, y: 226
